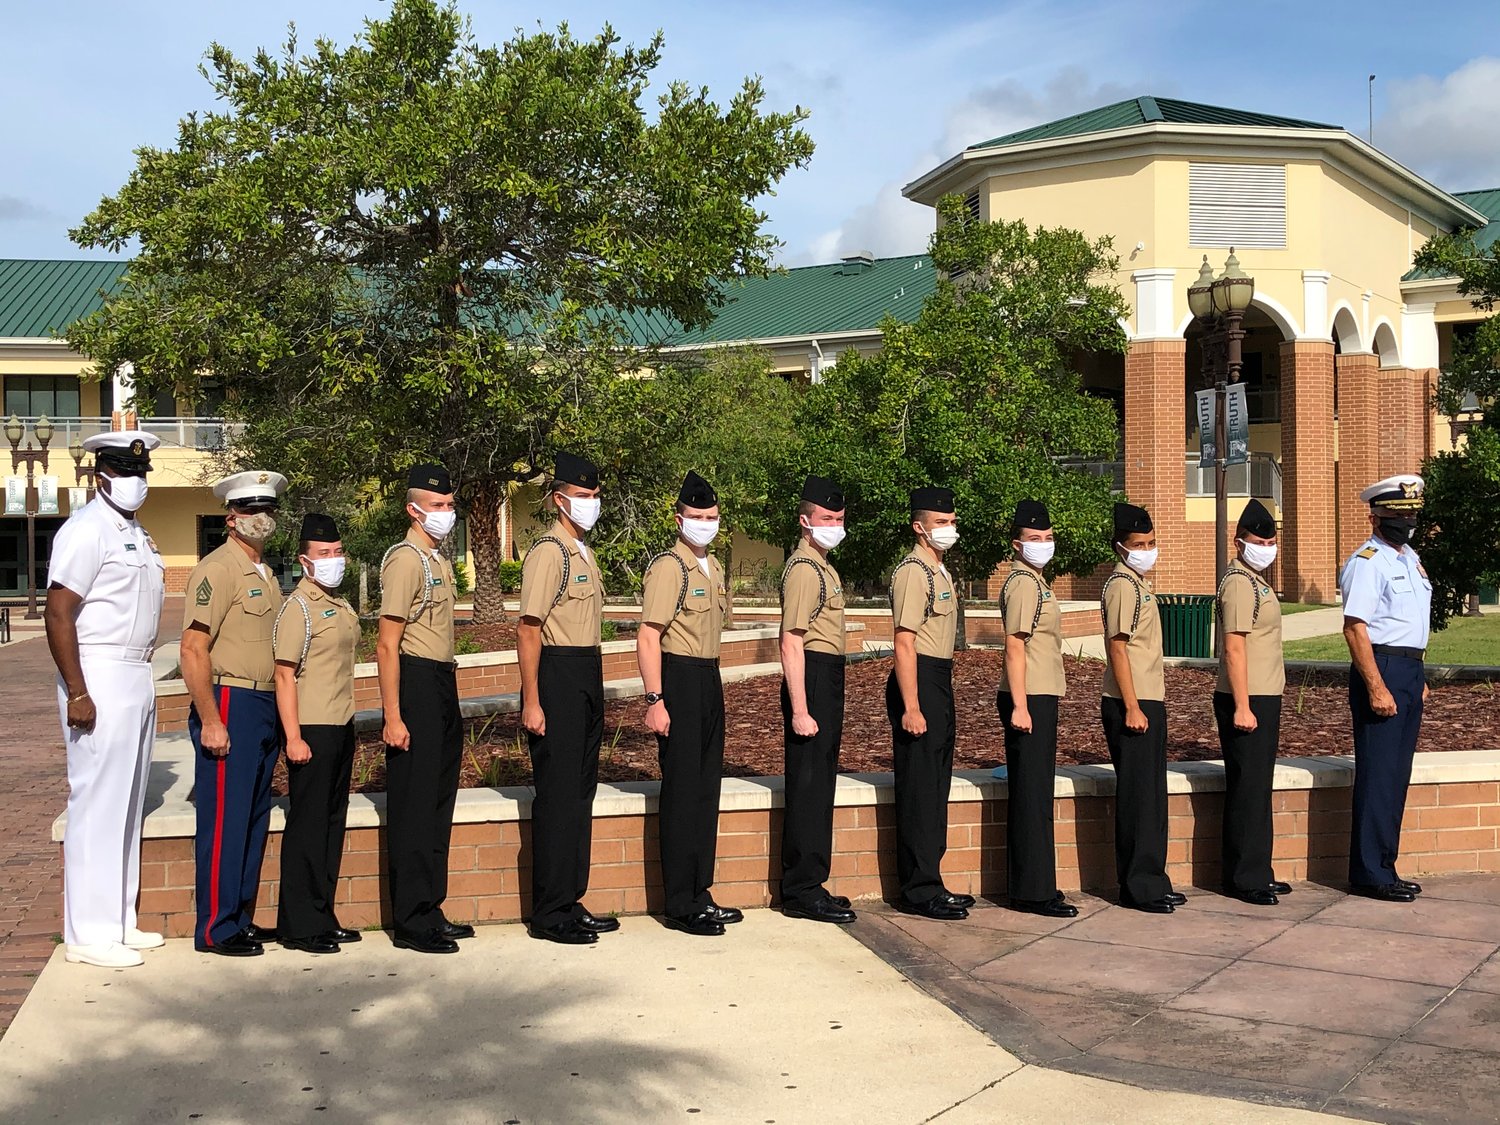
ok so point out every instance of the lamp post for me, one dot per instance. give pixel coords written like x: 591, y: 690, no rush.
x: 1219, y: 304
x: 30, y: 456
x: 82, y: 474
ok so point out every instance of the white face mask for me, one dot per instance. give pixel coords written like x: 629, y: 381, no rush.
x: 1038, y: 553
x: 127, y: 493
x: 943, y: 538
x: 827, y: 536
x: 437, y: 524
x: 257, y: 527
x: 1257, y: 556
x: 583, y: 511
x: 1141, y: 561
x: 328, y: 573
x: 700, y: 533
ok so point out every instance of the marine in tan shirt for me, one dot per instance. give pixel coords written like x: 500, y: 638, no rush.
x: 317, y: 634
x: 234, y: 598
x: 417, y: 585
x: 1129, y: 609
x: 1030, y: 610
x: 812, y: 601
x: 562, y: 587
x: 1247, y: 605
x: 676, y: 577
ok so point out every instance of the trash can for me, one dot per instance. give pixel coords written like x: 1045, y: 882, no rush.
x: 1187, y: 624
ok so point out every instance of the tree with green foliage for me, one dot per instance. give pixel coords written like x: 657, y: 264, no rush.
x: 421, y: 247
x: 977, y: 394
x: 1459, y: 532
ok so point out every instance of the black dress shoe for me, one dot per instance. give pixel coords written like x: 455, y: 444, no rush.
x: 825, y: 910
x: 597, y: 925
x: 453, y: 931
x: 1383, y: 892
x: 343, y: 936
x: 963, y: 902
x: 1407, y: 884
x: 1152, y: 906
x: 1280, y: 888
x: 934, y: 908
x: 432, y: 941
x: 319, y: 943
x: 724, y: 915
x: 1260, y: 896
x: 237, y: 946
x: 1176, y: 898
x: 839, y: 900
x: 564, y: 933
x: 265, y: 935
x: 700, y: 924
x: 1047, y: 907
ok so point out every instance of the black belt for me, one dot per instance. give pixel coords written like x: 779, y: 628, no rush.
x: 570, y: 650
x: 1397, y: 650
x: 821, y: 657
x: 425, y: 662
x: 936, y: 661
x: 692, y: 661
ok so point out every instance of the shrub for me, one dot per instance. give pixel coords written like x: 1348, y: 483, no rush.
x: 510, y: 576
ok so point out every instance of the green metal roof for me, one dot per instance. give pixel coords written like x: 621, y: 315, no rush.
x: 1487, y: 203
x: 1145, y: 111
x: 38, y: 299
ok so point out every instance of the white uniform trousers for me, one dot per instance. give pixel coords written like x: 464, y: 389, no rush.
x: 107, y: 771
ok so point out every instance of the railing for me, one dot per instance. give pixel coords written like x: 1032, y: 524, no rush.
x: 1261, y: 476
x: 206, y: 434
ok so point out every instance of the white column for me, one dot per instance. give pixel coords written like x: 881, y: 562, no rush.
x: 1419, y: 340
x: 1315, y: 322
x: 1155, y: 305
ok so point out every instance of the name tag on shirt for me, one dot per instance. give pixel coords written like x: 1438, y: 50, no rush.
x: 699, y: 592
x: 945, y: 595
x: 256, y: 593
x: 130, y: 546
x: 1401, y: 583
x: 329, y: 612
x: 581, y: 578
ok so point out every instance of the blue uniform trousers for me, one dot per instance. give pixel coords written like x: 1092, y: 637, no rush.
x: 233, y: 798
x: 1383, y: 749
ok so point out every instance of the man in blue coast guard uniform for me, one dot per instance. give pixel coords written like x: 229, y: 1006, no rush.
x: 1387, y: 600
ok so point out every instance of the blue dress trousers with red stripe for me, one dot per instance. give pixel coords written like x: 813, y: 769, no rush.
x: 233, y: 797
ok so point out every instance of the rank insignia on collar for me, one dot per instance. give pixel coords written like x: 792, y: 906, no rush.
x: 205, y: 592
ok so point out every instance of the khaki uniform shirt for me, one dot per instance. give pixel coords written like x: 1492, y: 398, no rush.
x: 801, y: 588
x: 330, y: 630
x: 1130, y: 610
x: 1247, y: 605
x: 910, y: 587
x: 229, y: 596
x: 572, y: 621
x: 1027, y: 604
x: 429, y: 632
x: 696, y: 630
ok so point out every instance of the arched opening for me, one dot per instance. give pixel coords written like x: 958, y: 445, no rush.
x: 1345, y: 331
x: 1384, y: 345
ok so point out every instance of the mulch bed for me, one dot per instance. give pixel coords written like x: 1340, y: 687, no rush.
x: 1315, y: 720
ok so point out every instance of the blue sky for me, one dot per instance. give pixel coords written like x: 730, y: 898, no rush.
x: 893, y: 88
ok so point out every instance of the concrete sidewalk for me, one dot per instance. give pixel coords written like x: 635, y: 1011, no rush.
x: 778, y: 1022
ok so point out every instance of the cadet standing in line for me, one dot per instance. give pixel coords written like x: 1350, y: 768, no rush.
x: 1247, y: 707
x: 229, y: 668
x: 1031, y: 684
x: 919, y: 705
x: 562, y: 704
x: 683, y: 600
x: 1387, y: 614
x: 104, y: 601
x: 423, y: 731
x: 315, y: 639
x: 1134, y: 714
x: 812, y: 705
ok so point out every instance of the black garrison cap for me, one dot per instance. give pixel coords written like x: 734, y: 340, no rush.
x: 319, y: 528
x: 1257, y: 520
x: 430, y: 478
x: 931, y: 499
x: 1032, y: 514
x: 696, y: 492
x: 576, y: 470
x: 824, y: 493
x: 1130, y: 520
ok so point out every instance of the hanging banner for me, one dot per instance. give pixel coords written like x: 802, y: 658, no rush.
x: 1237, y: 425
x: 15, y: 496
x: 77, y: 498
x: 1207, y: 451
x: 46, y: 496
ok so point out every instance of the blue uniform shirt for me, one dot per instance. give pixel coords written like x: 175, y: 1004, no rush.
x: 1389, y: 591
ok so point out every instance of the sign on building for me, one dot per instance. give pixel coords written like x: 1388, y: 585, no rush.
x: 46, y: 496
x: 15, y: 496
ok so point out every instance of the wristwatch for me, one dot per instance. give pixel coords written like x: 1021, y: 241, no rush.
x: 654, y: 697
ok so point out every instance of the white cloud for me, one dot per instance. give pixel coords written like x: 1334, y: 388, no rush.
x: 1446, y: 128
x: 14, y: 209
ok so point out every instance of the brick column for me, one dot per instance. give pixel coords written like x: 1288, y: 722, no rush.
x: 1307, y: 507
x: 1358, y: 377
x: 1155, y: 438
x: 1405, y: 419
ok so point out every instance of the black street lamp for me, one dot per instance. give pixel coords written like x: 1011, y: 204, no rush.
x: 82, y: 474
x: 31, y: 457
x: 1218, y: 305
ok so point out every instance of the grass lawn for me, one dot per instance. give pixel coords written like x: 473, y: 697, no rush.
x: 1466, y: 640
x: 1300, y: 607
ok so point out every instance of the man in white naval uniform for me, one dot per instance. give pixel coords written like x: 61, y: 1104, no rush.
x: 104, y: 603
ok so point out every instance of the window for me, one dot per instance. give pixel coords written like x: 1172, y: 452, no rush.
x: 1262, y: 388
x: 1237, y: 205
x: 56, y: 396
x: 211, y: 534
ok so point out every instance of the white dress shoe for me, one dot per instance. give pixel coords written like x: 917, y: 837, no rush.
x: 140, y: 939
x: 112, y: 955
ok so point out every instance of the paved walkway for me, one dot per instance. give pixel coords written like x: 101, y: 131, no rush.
x: 1326, y: 1002
x: 778, y: 1022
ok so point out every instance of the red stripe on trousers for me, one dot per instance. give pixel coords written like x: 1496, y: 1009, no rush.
x: 213, y: 883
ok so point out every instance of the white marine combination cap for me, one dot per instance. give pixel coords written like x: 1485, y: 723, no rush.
x: 1400, y: 492
x: 252, y: 489
x: 123, y: 440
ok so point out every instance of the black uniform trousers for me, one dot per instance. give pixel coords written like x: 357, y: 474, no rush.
x: 1249, y: 762
x: 1030, y: 774
x: 1140, y: 761
x: 924, y: 775
x: 421, y: 788
x: 1383, y: 750
x: 312, y: 846
x: 565, y: 772
x: 812, y: 775
x: 692, y: 763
